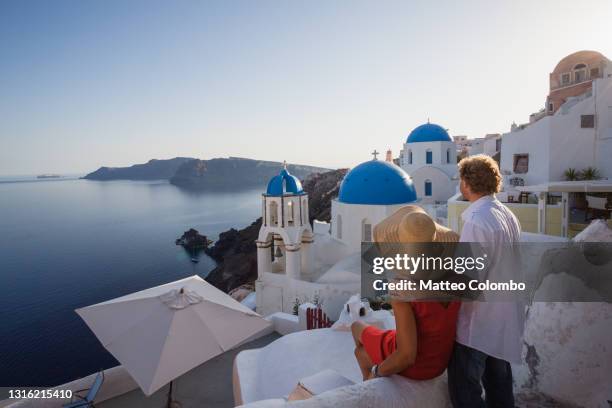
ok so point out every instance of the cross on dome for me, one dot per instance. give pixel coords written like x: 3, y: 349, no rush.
x: 375, y: 153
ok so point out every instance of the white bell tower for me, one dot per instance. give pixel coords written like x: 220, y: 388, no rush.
x: 284, y: 244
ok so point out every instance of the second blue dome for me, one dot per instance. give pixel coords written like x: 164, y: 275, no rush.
x: 429, y: 132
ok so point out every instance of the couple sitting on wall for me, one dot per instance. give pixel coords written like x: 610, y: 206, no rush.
x: 475, y: 341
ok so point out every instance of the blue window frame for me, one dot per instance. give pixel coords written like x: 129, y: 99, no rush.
x: 428, y: 157
x: 428, y: 188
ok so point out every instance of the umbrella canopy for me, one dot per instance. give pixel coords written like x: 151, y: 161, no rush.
x: 161, y: 333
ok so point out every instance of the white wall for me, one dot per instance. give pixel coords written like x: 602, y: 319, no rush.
x: 533, y: 140
x: 278, y: 292
x: 353, y: 216
x: 476, y: 147
x: 443, y: 187
x: 570, y: 145
x: 438, y: 150
x: 490, y: 146
x: 603, y: 92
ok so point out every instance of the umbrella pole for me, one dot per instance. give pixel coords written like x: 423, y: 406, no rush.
x: 170, y: 395
x: 171, y: 402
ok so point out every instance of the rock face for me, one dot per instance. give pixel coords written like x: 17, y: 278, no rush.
x: 321, y: 189
x: 235, y: 251
x: 236, y: 257
x: 152, y: 170
x: 233, y: 173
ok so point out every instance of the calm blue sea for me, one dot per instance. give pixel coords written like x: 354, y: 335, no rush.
x: 69, y: 243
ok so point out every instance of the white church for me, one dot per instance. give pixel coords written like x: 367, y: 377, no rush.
x: 298, y: 264
x: 430, y: 157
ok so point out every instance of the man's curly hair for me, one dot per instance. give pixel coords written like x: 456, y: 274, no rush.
x: 481, y: 174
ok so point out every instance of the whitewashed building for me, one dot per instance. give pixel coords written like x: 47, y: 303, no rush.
x: 296, y: 264
x: 576, y: 129
x: 492, y: 144
x: 430, y: 157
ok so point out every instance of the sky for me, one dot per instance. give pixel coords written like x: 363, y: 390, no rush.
x: 85, y: 84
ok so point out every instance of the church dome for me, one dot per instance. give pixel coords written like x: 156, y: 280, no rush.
x: 377, y: 182
x: 590, y: 58
x: 429, y: 132
x: 284, y: 183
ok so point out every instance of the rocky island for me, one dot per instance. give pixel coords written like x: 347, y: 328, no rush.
x: 192, y: 240
x: 235, y: 251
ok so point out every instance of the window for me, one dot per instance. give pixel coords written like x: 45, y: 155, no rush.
x: 521, y: 163
x: 448, y: 155
x: 498, y: 143
x: 428, y: 188
x: 579, y: 73
x: 290, y: 213
x: 366, y: 231
x: 273, y: 213
x: 587, y: 121
x: 409, y: 156
x: 304, y: 212
x: 594, y: 72
x: 339, y: 226
x: 551, y: 107
x: 428, y: 157
x: 565, y: 78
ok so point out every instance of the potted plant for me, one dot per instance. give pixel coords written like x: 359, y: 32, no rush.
x: 571, y: 174
x: 590, y: 173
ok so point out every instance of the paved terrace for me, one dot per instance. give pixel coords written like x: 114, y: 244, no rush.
x: 208, y: 385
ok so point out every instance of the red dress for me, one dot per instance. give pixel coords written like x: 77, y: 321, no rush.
x: 436, y: 326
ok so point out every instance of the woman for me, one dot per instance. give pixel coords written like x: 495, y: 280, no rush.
x: 421, y: 345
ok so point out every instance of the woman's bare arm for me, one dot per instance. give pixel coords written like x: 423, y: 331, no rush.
x: 406, y: 341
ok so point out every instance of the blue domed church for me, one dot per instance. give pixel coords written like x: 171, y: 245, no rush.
x: 369, y: 193
x: 297, y: 261
x: 429, y: 155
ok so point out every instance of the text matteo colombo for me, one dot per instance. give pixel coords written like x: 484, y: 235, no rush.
x: 459, y: 265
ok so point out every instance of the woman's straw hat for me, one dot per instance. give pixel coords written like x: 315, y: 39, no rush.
x: 410, y: 230
x: 411, y: 224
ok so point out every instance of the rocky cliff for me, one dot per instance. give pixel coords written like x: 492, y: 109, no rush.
x: 233, y: 173
x: 235, y: 251
x: 152, y: 170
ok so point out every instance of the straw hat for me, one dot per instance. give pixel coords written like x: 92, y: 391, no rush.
x: 411, y: 224
x: 411, y: 230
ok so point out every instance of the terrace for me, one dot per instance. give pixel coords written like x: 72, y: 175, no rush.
x: 562, y: 208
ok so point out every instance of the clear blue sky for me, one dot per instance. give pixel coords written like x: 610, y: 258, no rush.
x: 91, y: 83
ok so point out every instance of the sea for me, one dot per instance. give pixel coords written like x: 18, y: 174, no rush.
x: 67, y: 243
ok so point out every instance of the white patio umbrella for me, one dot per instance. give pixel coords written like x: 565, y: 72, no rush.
x: 163, y: 332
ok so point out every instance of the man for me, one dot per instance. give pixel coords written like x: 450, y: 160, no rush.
x: 489, y: 334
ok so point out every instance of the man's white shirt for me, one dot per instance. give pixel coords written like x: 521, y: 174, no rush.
x: 495, y: 327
